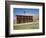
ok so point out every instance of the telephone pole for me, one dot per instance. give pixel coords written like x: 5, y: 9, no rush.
x: 24, y: 12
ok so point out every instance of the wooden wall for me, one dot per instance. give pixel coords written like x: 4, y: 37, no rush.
x: 24, y: 19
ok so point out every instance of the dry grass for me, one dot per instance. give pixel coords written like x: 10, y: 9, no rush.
x: 27, y: 26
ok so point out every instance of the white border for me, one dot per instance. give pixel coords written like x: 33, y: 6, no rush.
x: 28, y: 30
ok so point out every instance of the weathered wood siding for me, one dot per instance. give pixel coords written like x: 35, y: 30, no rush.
x: 24, y: 19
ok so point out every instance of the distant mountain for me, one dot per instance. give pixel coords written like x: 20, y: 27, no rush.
x: 28, y: 14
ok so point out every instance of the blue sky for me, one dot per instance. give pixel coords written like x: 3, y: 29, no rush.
x: 27, y: 10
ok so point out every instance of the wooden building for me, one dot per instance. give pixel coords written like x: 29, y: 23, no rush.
x: 23, y: 19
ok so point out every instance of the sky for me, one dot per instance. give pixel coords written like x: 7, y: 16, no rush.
x: 25, y: 11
